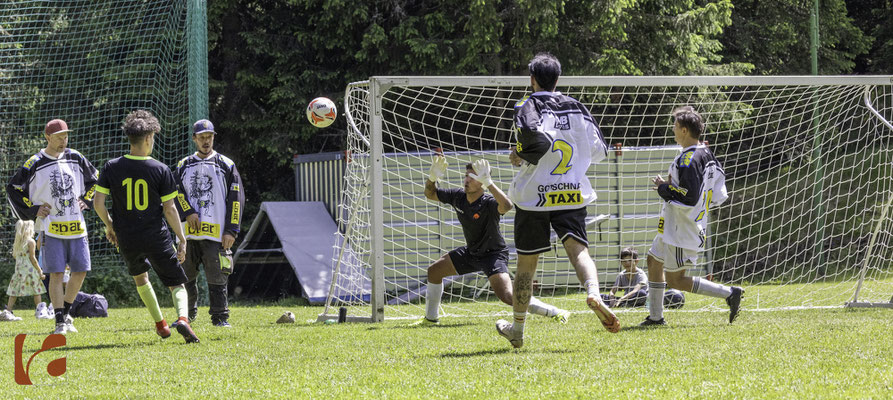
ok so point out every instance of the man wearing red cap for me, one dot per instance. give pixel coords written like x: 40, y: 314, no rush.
x: 54, y: 187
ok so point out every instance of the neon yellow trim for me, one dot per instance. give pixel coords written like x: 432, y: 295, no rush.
x: 139, y: 158
x: 102, y: 190
x: 170, y: 196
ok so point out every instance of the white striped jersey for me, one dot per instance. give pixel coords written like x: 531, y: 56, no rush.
x: 212, y: 188
x: 697, y: 182
x: 59, y: 182
x: 558, y: 140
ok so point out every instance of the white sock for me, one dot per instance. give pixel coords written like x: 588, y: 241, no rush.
x: 707, y: 288
x: 539, y: 308
x: 432, y: 300
x: 592, y: 288
x: 656, y: 300
x: 518, y: 323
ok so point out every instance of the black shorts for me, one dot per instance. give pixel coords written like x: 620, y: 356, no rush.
x: 489, y: 264
x: 532, y: 233
x: 161, y: 257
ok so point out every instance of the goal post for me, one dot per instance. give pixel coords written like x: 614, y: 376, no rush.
x: 809, y: 163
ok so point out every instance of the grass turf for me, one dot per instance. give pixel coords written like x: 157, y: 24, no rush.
x: 797, y: 354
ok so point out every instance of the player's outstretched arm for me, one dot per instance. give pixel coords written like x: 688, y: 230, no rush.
x: 437, y: 171
x: 482, y: 174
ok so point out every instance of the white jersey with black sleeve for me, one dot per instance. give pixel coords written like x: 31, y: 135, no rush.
x: 212, y: 188
x: 558, y: 141
x: 696, y: 183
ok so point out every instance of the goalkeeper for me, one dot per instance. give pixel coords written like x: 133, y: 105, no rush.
x: 695, y: 183
x: 485, y: 251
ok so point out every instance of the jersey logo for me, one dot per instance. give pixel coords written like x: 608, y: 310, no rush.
x: 184, y: 205
x: 522, y: 101
x: 62, y: 190
x: 518, y: 146
x: 562, y: 122
x: 206, y: 229
x: 202, y: 193
x: 234, y: 187
x: 235, y: 217
x: 476, y: 216
x: 681, y: 190
x: 30, y: 162
x: 90, y: 193
x: 660, y: 225
x: 564, y: 198
x: 66, y: 228
x: 685, y: 161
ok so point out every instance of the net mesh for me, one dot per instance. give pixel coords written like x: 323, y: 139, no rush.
x: 90, y: 63
x: 809, y: 172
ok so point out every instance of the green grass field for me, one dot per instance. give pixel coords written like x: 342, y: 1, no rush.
x: 796, y: 354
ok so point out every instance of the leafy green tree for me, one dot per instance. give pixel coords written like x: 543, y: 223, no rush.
x: 774, y: 37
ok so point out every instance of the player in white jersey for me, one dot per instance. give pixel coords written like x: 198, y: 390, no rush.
x: 54, y: 187
x: 557, y: 141
x: 210, y: 200
x: 695, y: 183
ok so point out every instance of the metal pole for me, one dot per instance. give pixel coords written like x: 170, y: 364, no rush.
x: 814, y: 36
x: 377, y: 217
x: 197, y: 58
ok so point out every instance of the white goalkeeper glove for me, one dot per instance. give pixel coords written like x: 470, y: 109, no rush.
x: 482, y: 172
x: 438, y: 169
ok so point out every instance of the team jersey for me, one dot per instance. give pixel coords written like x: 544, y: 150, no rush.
x: 479, y: 220
x: 138, y: 186
x: 212, y: 188
x: 697, y: 182
x: 59, y: 182
x: 558, y: 139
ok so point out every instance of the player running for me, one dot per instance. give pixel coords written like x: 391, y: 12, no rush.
x: 143, y: 192
x: 695, y: 183
x: 485, y: 250
x: 557, y: 142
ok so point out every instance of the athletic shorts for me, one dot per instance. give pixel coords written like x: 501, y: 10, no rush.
x: 533, y: 233
x: 57, y: 253
x: 674, y: 258
x: 161, y: 257
x: 490, y: 263
x: 206, y: 253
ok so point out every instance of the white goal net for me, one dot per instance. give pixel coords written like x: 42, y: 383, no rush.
x: 810, y: 175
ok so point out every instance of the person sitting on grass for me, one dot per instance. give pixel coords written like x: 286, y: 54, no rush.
x: 631, y: 280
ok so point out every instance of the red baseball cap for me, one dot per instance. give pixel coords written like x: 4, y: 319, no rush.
x: 56, y: 126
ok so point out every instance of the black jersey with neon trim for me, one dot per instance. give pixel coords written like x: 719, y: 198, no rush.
x: 138, y: 186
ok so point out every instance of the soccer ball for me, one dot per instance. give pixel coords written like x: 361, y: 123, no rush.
x: 321, y: 112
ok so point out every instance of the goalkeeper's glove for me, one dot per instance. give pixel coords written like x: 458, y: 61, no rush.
x: 482, y: 172
x: 438, y: 169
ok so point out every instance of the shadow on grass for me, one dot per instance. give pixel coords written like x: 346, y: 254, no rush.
x: 406, y: 326
x: 503, y: 351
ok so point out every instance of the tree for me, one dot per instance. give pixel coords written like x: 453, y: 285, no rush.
x: 774, y: 37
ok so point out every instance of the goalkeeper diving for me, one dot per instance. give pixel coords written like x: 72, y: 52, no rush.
x: 485, y: 250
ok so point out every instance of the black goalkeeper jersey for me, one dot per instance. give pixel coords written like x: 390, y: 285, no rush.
x: 138, y: 186
x: 480, y: 221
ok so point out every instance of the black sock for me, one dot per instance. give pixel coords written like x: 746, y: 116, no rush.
x: 60, y: 316
x: 67, y: 307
